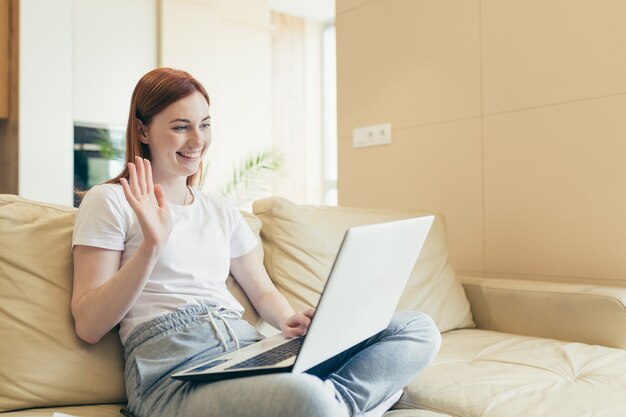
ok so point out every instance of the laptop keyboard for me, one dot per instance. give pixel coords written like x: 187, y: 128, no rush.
x: 272, y: 356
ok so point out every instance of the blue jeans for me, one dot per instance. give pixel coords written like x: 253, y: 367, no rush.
x: 365, y: 375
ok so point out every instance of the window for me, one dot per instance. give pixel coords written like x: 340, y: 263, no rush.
x: 304, y: 107
x: 329, y: 114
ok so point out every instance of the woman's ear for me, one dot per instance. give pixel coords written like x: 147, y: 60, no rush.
x: 141, y: 132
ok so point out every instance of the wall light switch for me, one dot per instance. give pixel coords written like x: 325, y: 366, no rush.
x: 371, y: 135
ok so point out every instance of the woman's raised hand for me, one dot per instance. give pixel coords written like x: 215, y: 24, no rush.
x: 148, y: 202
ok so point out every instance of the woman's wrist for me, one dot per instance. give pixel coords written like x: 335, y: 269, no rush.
x: 152, y: 250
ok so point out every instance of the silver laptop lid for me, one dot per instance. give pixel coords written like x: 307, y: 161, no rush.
x: 364, y: 287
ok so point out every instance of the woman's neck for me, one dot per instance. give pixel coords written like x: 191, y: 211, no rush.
x: 176, y: 190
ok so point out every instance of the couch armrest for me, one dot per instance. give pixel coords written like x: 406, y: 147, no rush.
x: 580, y: 313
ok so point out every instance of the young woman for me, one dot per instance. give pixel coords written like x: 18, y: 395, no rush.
x: 152, y: 254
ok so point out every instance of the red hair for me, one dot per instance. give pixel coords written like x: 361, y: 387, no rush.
x: 154, y: 92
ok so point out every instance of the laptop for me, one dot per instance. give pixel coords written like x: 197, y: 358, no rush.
x: 366, y: 281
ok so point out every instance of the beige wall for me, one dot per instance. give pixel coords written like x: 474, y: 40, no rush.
x: 509, y: 117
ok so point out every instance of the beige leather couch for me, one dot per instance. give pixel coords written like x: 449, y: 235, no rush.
x: 510, y: 347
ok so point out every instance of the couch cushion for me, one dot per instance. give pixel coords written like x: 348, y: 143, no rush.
x: 301, y: 243
x: 490, y: 374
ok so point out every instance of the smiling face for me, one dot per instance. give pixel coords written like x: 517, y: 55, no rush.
x: 178, y: 138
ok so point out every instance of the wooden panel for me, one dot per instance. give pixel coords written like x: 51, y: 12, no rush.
x: 554, y: 191
x: 342, y: 6
x: 547, y: 79
x: 408, y: 63
x: 538, y: 52
x: 436, y: 167
x: 9, y: 139
x: 4, y: 58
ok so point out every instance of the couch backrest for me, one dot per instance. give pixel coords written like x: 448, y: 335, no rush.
x: 42, y: 361
x: 301, y: 242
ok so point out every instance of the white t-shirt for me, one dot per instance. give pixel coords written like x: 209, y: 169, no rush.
x: 194, y: 264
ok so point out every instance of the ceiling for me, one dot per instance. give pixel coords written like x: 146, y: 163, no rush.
x: 316, y: 10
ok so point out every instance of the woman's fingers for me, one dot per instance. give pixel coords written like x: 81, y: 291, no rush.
x: 300, y: 319
x: 148, y: 171
x: 297, y: 325
x: 309, y: 312
x: 294, y: 332
x: 160, y: 196
x: 129, y: 195
x: 141, y: 175
x: 132, y: 179
x: 305, y: 321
